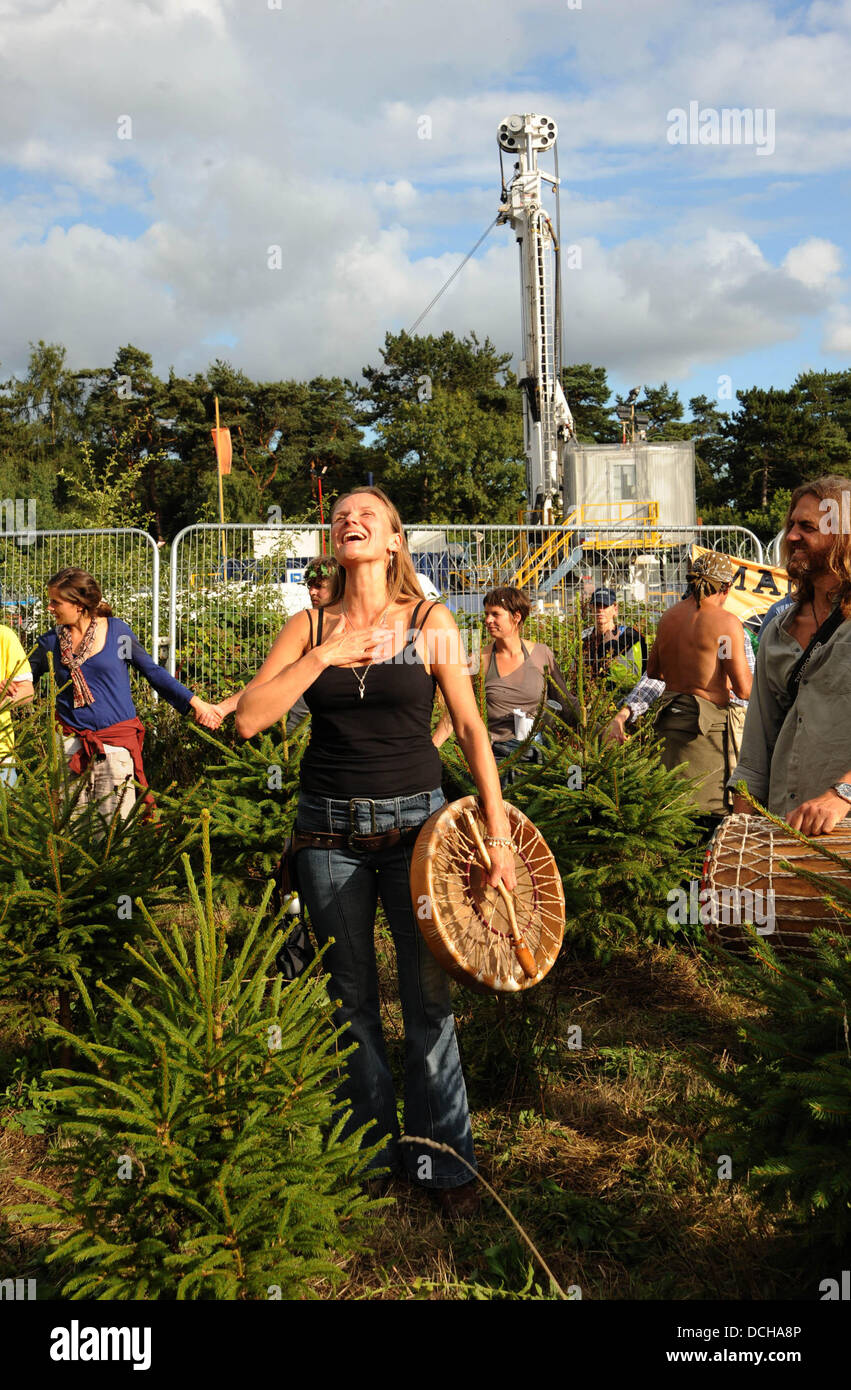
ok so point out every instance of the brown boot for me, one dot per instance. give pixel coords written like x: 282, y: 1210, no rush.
x: 459, y: 1203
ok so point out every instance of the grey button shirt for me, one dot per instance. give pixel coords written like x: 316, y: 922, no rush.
x: 791, y: 755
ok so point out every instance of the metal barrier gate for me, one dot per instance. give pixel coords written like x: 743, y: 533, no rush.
x: 233, y: 586
x: 124, y: 560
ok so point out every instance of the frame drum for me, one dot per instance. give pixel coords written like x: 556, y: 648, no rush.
x: 464, y: 921
x: 743, y: 868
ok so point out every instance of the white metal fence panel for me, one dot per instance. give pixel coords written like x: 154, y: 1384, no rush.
x: 232, y: 587
x: 124, y: 560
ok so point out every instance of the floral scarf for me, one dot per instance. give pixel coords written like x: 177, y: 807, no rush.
x: 73, y: 660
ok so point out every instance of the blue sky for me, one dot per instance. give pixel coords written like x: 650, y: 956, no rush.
x: 252, y: 126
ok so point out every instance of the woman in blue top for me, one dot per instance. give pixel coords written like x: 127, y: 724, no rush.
x: 91, y: 651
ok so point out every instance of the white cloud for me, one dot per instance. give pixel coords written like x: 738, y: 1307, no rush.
x: 838, y: 335
x: 814, y: 262
x: 299, y: 128
x: 399, y: 194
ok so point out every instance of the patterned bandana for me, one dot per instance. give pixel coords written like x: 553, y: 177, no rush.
x: 73, y: 660
x: 709, y: 573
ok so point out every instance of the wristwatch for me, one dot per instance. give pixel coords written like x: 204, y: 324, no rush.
x: 842, y: 789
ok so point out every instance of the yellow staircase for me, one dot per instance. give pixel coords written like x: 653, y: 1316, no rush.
x: 586, y: 525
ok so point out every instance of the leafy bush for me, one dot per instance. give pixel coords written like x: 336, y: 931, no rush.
x: 203, y: 1140
x: 67, y: 880
x: 620, y: 825
x: 787, y: 1110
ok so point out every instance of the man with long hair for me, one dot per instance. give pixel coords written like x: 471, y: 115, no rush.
x: 796, y: 747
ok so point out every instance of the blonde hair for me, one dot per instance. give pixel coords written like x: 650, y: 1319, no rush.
x: 839, y: 554
x: 402, y: 579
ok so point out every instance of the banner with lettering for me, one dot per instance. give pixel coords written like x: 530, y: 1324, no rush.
x: 755, y: 587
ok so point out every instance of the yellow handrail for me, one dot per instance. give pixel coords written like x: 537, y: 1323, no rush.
x: 551, y: 550
x: 555, y: 547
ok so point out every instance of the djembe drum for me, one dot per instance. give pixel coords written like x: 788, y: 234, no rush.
x: 483, y: 937
x: 743, y: 869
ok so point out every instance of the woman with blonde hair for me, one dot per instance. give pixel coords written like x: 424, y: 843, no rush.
x: 368, y: 665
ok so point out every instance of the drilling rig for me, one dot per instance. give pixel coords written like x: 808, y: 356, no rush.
x: 547, y: 421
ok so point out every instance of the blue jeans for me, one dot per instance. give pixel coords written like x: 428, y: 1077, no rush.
x: 8, y: 774
x: 340, y: 889
x: 505, y: 750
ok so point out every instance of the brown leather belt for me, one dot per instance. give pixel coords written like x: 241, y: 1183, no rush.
x: 369, y: 844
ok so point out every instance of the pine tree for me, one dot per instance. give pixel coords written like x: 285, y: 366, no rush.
x: 252, y: 793
x: 202, y: 1132
x: 620, y: 825
x: 786, y: 1113
x: 67, y: 877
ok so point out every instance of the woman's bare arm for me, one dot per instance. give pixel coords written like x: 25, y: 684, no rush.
x: 448, y: 662
x: 286, y: 673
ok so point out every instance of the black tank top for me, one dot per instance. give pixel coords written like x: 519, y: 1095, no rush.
x: 378, y: 746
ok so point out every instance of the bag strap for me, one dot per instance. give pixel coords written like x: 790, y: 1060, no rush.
x: 824, y: 634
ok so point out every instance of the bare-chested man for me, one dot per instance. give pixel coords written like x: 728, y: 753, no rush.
x: 699, y: 653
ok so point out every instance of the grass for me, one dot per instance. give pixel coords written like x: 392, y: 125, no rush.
x: 599, y: 1150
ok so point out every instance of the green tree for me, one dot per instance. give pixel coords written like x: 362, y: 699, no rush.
x: 779, y: 438
x: 66, y: 879
x: 588, y: 392
x: 446, y: 414
x: 414, y: 366
x: 788, y: 1103
x: 453, y: 460
x: 711, y: 449
x: 202, y: 1130
x: 39, y: 429
x: 126, y: 402
x: 665, y: 410
x: 277, y: 430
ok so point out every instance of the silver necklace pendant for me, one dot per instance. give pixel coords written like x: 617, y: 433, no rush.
x: 361, y: 680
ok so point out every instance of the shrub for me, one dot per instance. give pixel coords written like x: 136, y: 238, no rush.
x: 620, y: 825
x: 252, y: 793
x: 786, y: 1113
x: 67, y: 879
x: 203, y: 1140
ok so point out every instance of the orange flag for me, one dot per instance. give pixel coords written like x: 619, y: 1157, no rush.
x: 222, y: 446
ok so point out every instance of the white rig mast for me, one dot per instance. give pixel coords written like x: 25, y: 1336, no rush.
x: 547, y: 421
